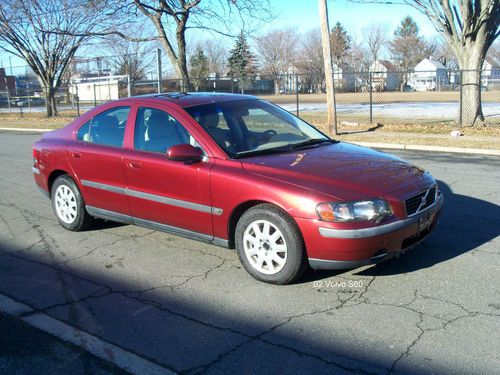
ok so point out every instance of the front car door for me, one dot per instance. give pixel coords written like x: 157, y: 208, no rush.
x: 170, y: 195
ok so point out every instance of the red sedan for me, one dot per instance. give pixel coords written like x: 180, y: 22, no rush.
x: 238, y: 172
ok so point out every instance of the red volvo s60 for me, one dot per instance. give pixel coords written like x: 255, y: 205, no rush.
x: 238, y: 172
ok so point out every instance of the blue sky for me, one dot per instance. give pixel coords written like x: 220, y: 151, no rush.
x: 303, y: 15
x: 354, y: 16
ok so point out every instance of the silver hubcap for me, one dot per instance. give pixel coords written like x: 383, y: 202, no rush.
x: 66, y: 207
x: 265, y: 247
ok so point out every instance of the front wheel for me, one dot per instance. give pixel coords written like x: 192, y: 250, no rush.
x: 68, y: 204
x: 269, y: 245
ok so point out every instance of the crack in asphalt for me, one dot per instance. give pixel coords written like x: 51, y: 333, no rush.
x: 356, y: 298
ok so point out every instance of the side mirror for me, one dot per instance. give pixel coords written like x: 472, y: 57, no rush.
x: 185, y: 152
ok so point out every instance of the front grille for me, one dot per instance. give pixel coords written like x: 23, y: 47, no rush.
x: 420, y: 201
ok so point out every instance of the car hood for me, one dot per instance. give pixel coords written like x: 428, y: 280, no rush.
x: 341, y: 170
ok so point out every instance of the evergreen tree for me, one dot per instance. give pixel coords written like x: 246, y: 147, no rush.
x: 241, y: 63
x: 198, y: 68
x: 340, y: 43
x: 408, y: 48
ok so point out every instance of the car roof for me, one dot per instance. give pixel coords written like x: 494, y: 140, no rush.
x: 189, y: 99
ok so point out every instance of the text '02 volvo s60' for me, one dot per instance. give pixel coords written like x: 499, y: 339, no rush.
x: 238, y: 172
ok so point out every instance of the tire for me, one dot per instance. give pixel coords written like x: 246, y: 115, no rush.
x: 68, y: 205
x: 269, y: 245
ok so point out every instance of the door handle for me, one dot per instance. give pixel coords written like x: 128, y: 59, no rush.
x: 76, y: 155
x: 135, y: 164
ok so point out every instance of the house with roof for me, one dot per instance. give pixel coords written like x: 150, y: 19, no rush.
x: 429, y: 74
x: 490, y: 74
x: 384, y: 76
x: 344, y: 77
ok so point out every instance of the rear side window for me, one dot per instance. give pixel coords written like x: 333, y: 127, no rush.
x: 107, y: 128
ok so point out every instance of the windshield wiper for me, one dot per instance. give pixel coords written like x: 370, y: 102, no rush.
x: 311, y: 142
x: 264, y: 151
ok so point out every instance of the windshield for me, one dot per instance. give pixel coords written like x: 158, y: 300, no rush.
x: 249, y: 127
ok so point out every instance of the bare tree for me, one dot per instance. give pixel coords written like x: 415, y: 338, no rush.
x: 177, y: 16
x: 360, y: 60
x: 27, y: 31
x: 276, y: 53
x: 130, y: 58
x: 376, y: 39
x: 217, y: 55
x: 470, y: 27
x: 309, y: 61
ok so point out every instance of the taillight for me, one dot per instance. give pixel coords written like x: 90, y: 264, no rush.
x: 35, y: 156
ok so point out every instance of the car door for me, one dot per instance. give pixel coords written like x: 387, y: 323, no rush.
x: 162, y: 191
x: 97, y: 160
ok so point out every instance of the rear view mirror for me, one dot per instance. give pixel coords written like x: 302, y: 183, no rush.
x: 185, y: 152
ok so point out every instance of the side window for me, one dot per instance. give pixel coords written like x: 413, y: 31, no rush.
x: 107, y: 128
x: 83, y: 132
x: 157, y: 131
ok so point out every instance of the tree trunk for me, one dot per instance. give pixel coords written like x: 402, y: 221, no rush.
x: 471, y: 96
x: 50, y: 96
x: 470, y: 61
x: 50, y: 102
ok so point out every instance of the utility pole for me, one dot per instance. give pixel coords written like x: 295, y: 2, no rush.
x: 327, y: 59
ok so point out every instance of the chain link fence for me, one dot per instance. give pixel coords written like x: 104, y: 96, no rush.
x: 366, y: 97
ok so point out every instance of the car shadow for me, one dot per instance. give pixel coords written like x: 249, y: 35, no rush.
x: 460, y: 230
x: 465, y: 224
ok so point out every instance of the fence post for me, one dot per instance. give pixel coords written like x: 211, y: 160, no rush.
x: 371, y: 98
x: 8, y: 93
x: 77, y: 100
x: 158, y: 68
x: 297, y: 93
x: 461, y: 97
x: 95, y: 97
x: 129, y: 86
x: 28, y: 94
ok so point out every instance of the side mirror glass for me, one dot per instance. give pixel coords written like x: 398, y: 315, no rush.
x: 185, y: 152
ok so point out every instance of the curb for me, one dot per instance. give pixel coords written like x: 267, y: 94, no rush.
x: 27, y: 130
x: 457, y: 150
x: 394, y: 146
x: 121, y: 358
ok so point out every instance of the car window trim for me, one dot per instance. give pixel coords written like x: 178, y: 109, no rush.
x: 169, y: 114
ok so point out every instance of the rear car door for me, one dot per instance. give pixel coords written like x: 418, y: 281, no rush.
x: 162, y: 191
x: 97, y: 160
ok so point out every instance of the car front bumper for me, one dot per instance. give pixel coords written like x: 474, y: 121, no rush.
x: 331, y: 247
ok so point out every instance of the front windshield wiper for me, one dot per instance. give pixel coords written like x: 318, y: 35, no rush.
x: 311, y: 142
x: 274, y: 150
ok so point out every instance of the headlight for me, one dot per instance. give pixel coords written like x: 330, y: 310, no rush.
x: 372, y: 209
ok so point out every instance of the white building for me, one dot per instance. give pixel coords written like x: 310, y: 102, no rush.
x: 344, y: 77
x: 429, y: 75
x: 384, y: 76
x: 97, y: 88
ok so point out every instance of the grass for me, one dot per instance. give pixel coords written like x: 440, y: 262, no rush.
x: 382, y: 97
x: 418, y: 131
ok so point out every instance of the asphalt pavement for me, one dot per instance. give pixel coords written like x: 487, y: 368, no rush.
x: 149, y: 302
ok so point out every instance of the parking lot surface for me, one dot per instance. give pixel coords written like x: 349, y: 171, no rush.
x: 189, y: 307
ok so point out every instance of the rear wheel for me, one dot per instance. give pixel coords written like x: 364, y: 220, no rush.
x: 269, y: 245
x: 68, y: 204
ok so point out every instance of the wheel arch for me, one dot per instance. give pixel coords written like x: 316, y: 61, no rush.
x: 239, y: 210
x: 53, y: 176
